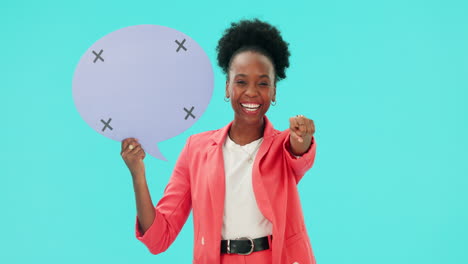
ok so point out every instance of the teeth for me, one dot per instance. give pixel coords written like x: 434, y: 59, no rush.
x: 251, y: 106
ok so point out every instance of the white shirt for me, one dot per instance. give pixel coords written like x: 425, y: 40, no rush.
x: 242, y: 217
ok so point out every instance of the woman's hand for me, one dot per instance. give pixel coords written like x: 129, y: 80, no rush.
x: 301, y: 130
x: 133, y: 154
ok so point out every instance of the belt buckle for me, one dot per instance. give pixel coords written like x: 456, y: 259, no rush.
x: 251, y: 242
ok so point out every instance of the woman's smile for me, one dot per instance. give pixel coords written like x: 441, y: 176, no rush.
x: 251, y: 108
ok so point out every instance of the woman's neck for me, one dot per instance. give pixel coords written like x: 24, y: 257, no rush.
x: 243, y: 133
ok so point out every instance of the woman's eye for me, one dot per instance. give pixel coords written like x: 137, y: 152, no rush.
x: 240, y: 82
x: 263, y: 84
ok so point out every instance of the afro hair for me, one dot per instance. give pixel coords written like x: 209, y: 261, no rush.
x: 254, y: 35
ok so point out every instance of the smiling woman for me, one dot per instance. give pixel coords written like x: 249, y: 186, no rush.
x: 240, y: 180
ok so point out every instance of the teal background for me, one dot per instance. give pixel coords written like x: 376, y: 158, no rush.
x: 384, y: 81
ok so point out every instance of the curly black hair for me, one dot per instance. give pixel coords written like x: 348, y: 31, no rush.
x: 254, y: 35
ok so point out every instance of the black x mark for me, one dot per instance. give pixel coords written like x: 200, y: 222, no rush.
x: 189, y: 113
x: 106, y: 124
x: 98, y: 56
x: 181, y: 45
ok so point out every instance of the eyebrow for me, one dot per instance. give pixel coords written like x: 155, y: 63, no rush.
x: 245, y: 75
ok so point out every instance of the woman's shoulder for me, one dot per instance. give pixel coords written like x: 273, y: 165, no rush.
x: 205, y: 137
x: 205, y: 134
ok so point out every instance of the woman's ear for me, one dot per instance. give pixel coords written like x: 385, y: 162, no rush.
x: 227, y: 88
x: 274, y: 92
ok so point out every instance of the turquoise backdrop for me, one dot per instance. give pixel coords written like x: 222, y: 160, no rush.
x: 384, y: 81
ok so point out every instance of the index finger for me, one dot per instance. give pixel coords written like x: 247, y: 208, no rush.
x: 302, y: 121
x: 293, y: 122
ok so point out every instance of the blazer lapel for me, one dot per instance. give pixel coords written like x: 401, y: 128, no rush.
x: 260, y: 191
x: 216, y: 179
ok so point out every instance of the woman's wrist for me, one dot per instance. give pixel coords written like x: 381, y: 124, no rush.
x: 138, y: 176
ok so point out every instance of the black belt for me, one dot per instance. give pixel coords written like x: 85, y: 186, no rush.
x: 244, y: 245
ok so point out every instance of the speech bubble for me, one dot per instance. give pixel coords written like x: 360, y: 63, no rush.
x: 149, y: 82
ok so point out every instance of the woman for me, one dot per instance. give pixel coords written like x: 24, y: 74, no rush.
x: 240, y: 180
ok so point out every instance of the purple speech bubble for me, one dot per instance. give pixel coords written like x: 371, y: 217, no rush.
x: 149, y: 82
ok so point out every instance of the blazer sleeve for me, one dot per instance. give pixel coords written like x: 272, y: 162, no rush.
x: 172, y: 210
x: 299, y: 165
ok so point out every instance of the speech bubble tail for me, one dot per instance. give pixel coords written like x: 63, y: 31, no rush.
x: 154, y: 151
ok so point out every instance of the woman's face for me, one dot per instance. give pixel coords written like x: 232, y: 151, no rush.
x: 251, y: 86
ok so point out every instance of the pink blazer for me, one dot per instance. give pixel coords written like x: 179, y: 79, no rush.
x: 198, y: 182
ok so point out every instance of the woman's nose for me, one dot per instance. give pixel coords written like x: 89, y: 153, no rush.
x: 251, y: 90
